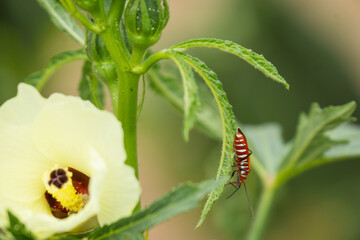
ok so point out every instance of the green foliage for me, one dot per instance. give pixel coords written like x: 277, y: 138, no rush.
x: 256, y: 60
x: 63, y: 20
x: 268, y: 147
x: 126, y: 236
x: 348, y: 137
x: 63, y: 237
x: 318, y: 139
x: 179, y: 200
x: 102, y: 65
x: 349, y: 133
x: 279, y: 162
x: 191, y: 100
x: 88, y: 5
x: 90, y: 88
x: 38, y: 79
x: 166, y: 87
x: 17, y: 229
x: 3, y: 236
x: 312, y: 141
x: 95, y: 48
x: 228, y: 125
x: 165, y: 83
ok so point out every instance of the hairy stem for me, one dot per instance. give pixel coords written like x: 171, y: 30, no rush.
x: 116, y: 11
x: 143, y: 68
x: 127, y: 115
x: 126, y: 109
x: 72, y: 9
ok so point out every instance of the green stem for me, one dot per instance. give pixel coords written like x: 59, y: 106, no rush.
x: 127, y: 115
x: 117, y: 49
x: 116, y: 11
x: 143, y: 68
x: 102, y: 9
x: 72, y: 9
x: 127, y: 90
x: 128, y: 81
x: 128, y: 105
x: 113, y: 89
x: 263, y: 211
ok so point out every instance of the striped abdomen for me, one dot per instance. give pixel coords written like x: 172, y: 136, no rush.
x: 242, y: 163
x: 242, y: 155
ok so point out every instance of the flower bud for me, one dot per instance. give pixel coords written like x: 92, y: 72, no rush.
x: 145, y: 19
x: 106, y: 72
x: 96, y: 49
x: 102, y: 64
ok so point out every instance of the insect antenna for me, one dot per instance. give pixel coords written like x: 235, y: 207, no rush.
x: 251, y: 208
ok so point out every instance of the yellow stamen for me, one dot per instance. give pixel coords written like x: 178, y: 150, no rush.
x: 64, y: 193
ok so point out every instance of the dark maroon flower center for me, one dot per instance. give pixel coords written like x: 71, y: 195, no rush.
x: 58, y: 178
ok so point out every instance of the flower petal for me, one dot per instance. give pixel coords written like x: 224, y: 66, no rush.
x: 68, y: 127
x: 36, y: 134
x: 65, y: 138
x: 21, y: 165
x: 37, y: 216
x: 22, y: 109
x: 121, y: 194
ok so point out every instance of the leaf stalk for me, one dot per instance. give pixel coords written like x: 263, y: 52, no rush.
x: 263, y: 211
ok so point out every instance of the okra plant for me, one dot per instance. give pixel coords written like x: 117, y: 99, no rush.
x: 74, y: 173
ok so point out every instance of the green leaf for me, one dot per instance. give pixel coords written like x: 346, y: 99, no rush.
x: 191, y: 100
x: 310, y: 141
x: 63, y: 237
x: 349, y: 133
x: 256, y: 60
x: 228, y: 126
x: 165, y: 83
x: 38, y: 79
x: 125, y: 236
x: 179, y: 200
x: 63, y: 20
x: 4, y: 237
x: 17, y: 229
x: 90, y: 88
x: 268, y: 147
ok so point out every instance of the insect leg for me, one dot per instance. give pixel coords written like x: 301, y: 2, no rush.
x: 238, y: 180
x: 234, y: 191
x: 251, y: 208
x: 229, y: 181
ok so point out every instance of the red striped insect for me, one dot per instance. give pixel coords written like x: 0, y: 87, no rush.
x: 242, y: 163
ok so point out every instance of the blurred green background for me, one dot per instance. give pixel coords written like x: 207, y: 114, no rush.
x: 315, y: 46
